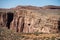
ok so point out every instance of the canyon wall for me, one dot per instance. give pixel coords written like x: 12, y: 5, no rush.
x: 31, y: 20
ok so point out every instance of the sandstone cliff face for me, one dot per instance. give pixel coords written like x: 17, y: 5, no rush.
x: 31, y: 20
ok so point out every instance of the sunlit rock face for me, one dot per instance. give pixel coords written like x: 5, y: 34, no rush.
x: 31, y: 19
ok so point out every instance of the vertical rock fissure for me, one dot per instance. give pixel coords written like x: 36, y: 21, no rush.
x: 22, y: 25
x: 9, y: 19
x: 59, y: 25
x: 18, y: 24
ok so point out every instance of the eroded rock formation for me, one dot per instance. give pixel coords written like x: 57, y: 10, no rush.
x: 28, y: 20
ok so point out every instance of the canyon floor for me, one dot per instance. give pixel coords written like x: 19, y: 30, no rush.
x: 6, y: 34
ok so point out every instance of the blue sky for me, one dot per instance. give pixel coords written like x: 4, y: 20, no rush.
x: 14, y: 3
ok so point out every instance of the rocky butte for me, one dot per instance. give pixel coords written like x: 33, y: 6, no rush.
x: 31, y: 19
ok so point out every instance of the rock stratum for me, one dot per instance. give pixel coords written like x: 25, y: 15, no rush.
x: 31, y: 19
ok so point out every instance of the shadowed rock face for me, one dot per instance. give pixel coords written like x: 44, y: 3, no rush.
x: 51, y: 7
x: 30, y: 19
x: 9, y: 19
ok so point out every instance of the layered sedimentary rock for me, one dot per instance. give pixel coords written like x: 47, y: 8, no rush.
x: 28, y: 20
x: 51, y: 7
